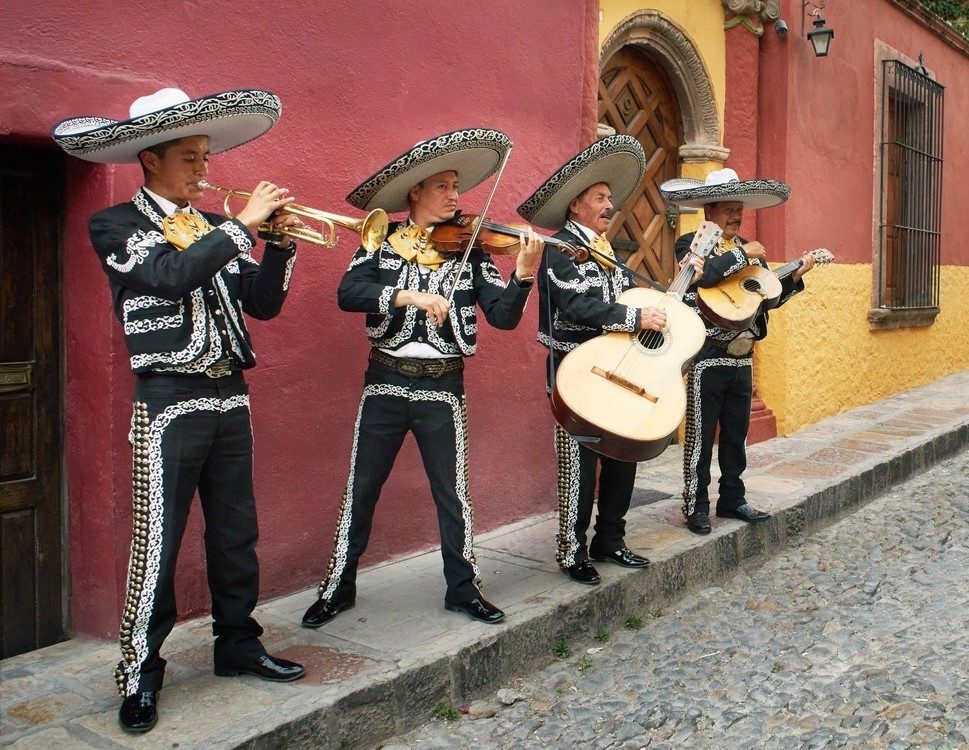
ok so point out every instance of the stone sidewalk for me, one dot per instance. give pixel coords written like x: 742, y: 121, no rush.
x: 371, y: 677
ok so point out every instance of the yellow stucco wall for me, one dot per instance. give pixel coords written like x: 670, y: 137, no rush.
x: 700, y: 20
x: 820, y: 357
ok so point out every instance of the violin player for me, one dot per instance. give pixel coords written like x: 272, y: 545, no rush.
x: 577, y: 302
x: 181, y: 280
x: 720, y: 382
x: 414, y: 380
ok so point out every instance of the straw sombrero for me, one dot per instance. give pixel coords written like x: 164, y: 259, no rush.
x: 725, y: 185
x: 474, y: 154
x: 229, y: 119
x: 617, y: 160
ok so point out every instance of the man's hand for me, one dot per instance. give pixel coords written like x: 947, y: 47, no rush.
x: 697, y: 262
x: 652, y: 318
x: 434, y: 305
x: 754, y: 249
x: 265, y: 200
x: 528, y: 256
x: 808, y: 259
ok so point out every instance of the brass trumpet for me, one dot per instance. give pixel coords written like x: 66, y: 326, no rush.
x: 372, y: 227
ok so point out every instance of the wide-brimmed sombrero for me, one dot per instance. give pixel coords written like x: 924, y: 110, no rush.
x: 725, y: 185
x: 229, y: 119
x: 617, y: 160
x: 474, y: 154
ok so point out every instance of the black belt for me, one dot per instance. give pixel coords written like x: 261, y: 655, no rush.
x: 417, y: 367
x: 741, y: 346
x: 221, y: 369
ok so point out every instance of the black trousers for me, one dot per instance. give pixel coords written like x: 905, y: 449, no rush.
x: 434, y: 410
x: 718, y: 393
x: 188, y: 433
x: 577, y: 493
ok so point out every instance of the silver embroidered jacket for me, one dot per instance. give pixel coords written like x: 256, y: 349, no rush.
x: 182, y: 311
x: 373, y: 281
x: 717, y: 267
x: 579, y: 299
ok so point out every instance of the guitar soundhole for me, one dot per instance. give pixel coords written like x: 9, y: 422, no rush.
x: 750, y: 285
x: 651, y: 339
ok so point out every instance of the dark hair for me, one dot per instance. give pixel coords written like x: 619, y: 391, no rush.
x: 158, y: 150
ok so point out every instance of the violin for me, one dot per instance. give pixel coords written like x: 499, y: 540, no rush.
x: 494, y: 238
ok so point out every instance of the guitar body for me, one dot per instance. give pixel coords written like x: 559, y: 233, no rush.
x: 626, y: 389
x: 737, y: 300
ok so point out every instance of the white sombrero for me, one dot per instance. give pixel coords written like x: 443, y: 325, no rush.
x: 725, y: 185
x: 617, y: 160
x: 474, y: 154
x: 229, y: 119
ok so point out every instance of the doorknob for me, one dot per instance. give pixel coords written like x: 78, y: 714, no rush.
x: 15, y: 376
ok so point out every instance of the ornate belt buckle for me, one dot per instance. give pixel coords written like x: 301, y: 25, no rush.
x: 740, y: 346
x: 410, y: 369
x: 220, y: 369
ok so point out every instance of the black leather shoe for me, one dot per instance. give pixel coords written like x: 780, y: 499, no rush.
x: 322, y: 611
x: 745, y: 513
x: 698, y: 522
x: 139, y: 712
x: 584, y: 572
x: 622, y: 556
x: 264, y: 667
x: 478, y: 609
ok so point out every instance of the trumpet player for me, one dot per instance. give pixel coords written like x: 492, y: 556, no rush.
x: 181, y: 280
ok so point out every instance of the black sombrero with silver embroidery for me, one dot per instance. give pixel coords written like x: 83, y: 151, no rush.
x: 617, y: 160
x: 725, y: 185
x: 229, y: 119
x: 474, y: 154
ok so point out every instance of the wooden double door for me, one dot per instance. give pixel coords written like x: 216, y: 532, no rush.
x: 32, y: 590
x: 636, y: 99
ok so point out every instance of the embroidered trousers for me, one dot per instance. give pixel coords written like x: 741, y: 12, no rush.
x: 434, y: 410
x: 189, y: 432
x: 718, y: 393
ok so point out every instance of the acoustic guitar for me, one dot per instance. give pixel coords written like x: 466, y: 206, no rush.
x: 622, y: 394
x: 738, y: 299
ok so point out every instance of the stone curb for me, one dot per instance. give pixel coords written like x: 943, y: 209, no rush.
x: 403, y: 701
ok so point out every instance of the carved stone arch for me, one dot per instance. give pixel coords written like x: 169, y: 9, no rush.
x: 656, y: 36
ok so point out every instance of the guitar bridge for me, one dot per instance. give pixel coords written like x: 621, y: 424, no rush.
x: 623, y: 383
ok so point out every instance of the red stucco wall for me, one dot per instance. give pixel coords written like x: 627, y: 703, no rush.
x: 819, y: 116
x: 360, y: 82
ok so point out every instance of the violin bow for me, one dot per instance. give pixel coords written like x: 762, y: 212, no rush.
x: 477, y: 227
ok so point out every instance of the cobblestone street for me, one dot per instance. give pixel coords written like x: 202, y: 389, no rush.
x: 858, y: 638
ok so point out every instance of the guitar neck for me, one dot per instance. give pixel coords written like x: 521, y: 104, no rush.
x: 788, y: 268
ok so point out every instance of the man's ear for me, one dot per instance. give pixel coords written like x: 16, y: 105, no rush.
x: 149, y: 161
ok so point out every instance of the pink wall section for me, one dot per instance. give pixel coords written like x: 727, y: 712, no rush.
x: 360, y: 82
x: 819, y: 119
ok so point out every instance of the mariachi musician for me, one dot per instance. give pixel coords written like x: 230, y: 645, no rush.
x: 420, y: 337
x: 577, y: 302
x: 720, y: 382
x: 181, y: 280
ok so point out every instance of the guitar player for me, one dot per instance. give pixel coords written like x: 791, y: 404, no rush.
x: 578, y: 302
x: 720, y: 381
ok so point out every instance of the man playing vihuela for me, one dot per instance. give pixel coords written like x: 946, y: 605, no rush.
x: 720, y: 381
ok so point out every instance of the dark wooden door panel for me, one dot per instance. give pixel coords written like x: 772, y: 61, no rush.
x: 31, y: 575
x: 635, y: 99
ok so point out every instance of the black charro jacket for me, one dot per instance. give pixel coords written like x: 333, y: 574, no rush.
x: 373, y: 281
x: 182, y: 311
x: 577, y: 301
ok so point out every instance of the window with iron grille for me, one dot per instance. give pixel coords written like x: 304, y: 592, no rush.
x: 911, y: 192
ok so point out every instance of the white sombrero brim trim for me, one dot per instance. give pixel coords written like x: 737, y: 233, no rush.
x: 752, y: 193
x: 618, y: 161
x: 474, y: 154
x: 229, y: 119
